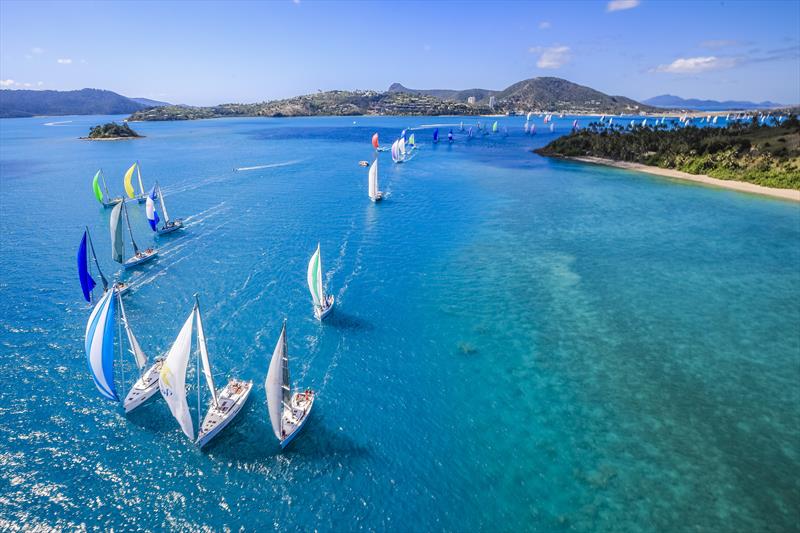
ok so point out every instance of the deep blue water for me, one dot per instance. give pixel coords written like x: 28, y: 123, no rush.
x: 519, y: 343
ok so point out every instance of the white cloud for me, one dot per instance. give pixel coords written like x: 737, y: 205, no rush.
x: 694, y: 65
x: 36, y: 50
x: 544, y: 25
x: 64, y: 61
x: 552, y: 56
x: 619, y: 5
x: 6, y: 83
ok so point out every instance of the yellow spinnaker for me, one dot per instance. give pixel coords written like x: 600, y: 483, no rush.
x: 128, y: 185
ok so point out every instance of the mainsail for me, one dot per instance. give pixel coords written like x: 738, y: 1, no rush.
x: 172, y: 379
x: 136, y: 350
x: 373, y: 178
x: 87, y: 283
x: 100, y: 346
x: 314, y: 274
x: 436, y: 135
x: 163, y: 205
x: 201, y: 342
x: 401, y: 147
x: 117, y: 242
x: 277, y: 385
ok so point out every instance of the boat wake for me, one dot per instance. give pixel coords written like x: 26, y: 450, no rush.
x: 199, y: 218
x: 271, y: 165
x: 59, y: 123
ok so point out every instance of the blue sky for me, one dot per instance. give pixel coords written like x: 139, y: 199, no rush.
x: 213, y: 52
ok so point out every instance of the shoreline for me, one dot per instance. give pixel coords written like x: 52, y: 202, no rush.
x: 740, y: 186
x: 110, y: 138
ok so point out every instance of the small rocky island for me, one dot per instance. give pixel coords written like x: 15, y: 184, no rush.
x: 112, y: 131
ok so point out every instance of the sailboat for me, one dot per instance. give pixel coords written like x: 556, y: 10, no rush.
x: 528, y: 117
x: 106, y: 199
x: 84, y: 275
x: 525, y: 127
x: 288, y: 412
x: 450, y: 136
x: 322, y: 305
x: 469, y: 134
x: 397, y: 157
x: 129, y: 187
x: 225, y: 404
x: 411, y: 142
x: 99, y: 346
x: 494, y: 127
x: 374, y: 194
x: 436, y: 135
x: 533, y: 129
x: 552, y: 127
x: 461, y: 126
x: 170, y: 225
x: 118, y: 240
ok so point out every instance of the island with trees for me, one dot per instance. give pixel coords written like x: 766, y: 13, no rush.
x: 112, y: 131
x: 764, y: 154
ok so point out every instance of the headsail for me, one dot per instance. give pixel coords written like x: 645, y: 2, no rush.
x: 373, y: 178
x: 117, y: 242
x: 127, y: 181
x: 436, y: 135
x: 375, y: 141
x: 411, y: 141
x: 395, y: 151
x: 201, y: 342
x: 277, y: 384
x: 100, y: 346
x: 87, y: 283
x: 314, y: 274
x: 136, y: 350
x: 494, y: 127
x: 96, y: 187
x: 172, y: 379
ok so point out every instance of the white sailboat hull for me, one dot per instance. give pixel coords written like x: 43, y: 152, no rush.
x: 144, y: 388
x: 174, y: 225
x: 142, y: 258
x: 230, y: 401
x: 320, y: 312
x: 296, y: 417
x: 378, y: 197
x: 112, y: 202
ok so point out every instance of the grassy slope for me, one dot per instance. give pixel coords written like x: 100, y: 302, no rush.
x: 768, y: 156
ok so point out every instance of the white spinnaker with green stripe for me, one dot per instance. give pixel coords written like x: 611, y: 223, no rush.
x: 315, y: 279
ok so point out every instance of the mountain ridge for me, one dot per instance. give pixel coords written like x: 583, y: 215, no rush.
x: 671, y: 101
x: 17, y: 103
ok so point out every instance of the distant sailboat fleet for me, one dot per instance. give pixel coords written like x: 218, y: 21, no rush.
x: 288, y: 410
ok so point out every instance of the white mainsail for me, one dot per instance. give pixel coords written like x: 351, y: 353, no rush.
x: 201, y: 342
x: 163, y: 205
x: 401, y: 146
x: 277, y: 385
x: 314, y: 276
x: 136, y: 350
x: 117, y: 240
x: 373, y: 179
x: 172, y: 379
x: 139, y: 176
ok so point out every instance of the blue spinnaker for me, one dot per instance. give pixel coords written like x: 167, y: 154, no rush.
x: 87, y: 283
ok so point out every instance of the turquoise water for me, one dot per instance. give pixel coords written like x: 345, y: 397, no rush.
x: 519, y: 343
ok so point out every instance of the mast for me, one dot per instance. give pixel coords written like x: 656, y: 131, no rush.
x: 285, y: 382
x: 130, y: 229
x: 199, y: 427
x: 163, y: 206
x: 201, y: 345
x: 94, y: 256
x: 139, y: 175
x: 135, y: 349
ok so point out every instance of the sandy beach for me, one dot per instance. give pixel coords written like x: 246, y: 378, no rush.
x: 786, y: 194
